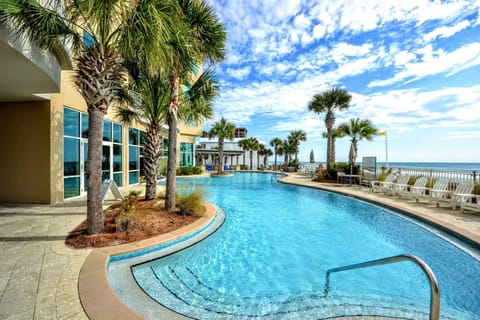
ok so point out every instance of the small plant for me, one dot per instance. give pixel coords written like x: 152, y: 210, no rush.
x: 190, y: 201
x: 476, y: 188
x: 126, y: 220
x: 330, y: 174
x: 133, y: 196
x: 197, y: 170
x: 243, y: 167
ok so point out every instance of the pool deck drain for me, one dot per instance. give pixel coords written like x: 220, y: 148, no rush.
x: 39, y: 274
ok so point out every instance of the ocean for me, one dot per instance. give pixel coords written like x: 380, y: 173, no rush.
x: 442, y: 166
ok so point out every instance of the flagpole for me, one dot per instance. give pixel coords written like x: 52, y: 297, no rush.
x: 386, y: 149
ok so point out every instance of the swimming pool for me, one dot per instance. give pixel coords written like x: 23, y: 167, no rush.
x: 270, y: 257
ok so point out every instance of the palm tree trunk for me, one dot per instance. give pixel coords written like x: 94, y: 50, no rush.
x: 275, y: 159
x: 172, y: 145
x: 329, y: 122
x: 258, y: 160
x: 94, y: 170
x: 151, y: 156
x: 251, y: 159
x: 220, y: 153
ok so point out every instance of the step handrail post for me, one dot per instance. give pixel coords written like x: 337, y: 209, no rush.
x: 434, y: 288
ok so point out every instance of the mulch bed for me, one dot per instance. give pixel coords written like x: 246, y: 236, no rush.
x: 151, y: 220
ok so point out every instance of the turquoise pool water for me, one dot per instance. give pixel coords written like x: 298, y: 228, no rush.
x: 269, y: 259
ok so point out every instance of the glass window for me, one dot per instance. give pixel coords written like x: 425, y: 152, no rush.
x: 164, y: 148
x: 117, y: 177
x: 84, y: 125
x: 133, y: 158
x: 107, y: 130
x: 117, y: 133
x: 117, y: 157
x: 186, y: 154
x: 71, y: 187
x: 133, y: 136
x: 143, y: 134
x: 71, y: 156
x: 133, y: 177
x: 88, y: 40
x: 71, y: 123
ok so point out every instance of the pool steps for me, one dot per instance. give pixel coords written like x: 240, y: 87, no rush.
x: 181, y: 289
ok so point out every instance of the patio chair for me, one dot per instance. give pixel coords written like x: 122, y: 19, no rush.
x: 341, y: 177
x: 472, y: 203
x: 417, y: 189
x: 462, y: 193
x: 439, y: 191
x: 400, y: 185
x: 378, y: 185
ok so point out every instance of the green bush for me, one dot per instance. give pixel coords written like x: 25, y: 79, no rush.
x: 190, y: 201
x: 476, y: 188
x: 294, y: 163
x: 330, y: 174
x: 197, y: 170
x: 243, y: 167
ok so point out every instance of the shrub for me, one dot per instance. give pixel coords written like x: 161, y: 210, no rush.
x: 476, y: 188
x: 127, y: 218
x: 197, y: 170
x: 330, y: 174
x: 243, y: 167
x: 294, y: 163
x: 190, y: 201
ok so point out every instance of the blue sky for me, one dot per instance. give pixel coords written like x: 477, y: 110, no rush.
x: 412, y: 68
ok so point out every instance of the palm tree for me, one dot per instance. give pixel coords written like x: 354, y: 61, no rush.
x: 328, y: 102
x: 115, y: 28
x: 276, y: 143
x: 295, y: 137
x: 200, y: 37
x: 336, y: 134
x: 223, y: 130
x: 260, y: 151
x: 287, y: 150
x: 357, y: 129
x: 149, y: 106
x: 252, y: 144
x: 243, y: 144
x: 265, y: 152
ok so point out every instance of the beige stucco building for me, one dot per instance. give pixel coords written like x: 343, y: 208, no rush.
x: 44, y: 128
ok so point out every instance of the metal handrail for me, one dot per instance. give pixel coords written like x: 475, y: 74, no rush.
x: 434, y: 289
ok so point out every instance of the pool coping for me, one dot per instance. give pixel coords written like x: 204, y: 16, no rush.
x: 456, y: 231
x: 97, y: 297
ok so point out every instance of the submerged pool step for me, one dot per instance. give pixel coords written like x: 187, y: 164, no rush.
x: 176, y: 294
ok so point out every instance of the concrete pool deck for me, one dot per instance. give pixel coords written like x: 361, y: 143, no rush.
x: 39, y: 274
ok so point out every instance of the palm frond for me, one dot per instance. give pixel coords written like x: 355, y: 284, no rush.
x: 44, y: 26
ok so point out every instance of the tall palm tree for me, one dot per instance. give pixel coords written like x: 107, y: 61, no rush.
x: 336, y: 134
x: 295, y: 137
x: 223, y: 130
x: 252, y: 144
x: 357, y: 129
x: 260, y: 152
x: 266, y: 152
x: 287, y: 150
x: 149, y: 105
x: 275, y: 143
x: 335, y: 99
x: 243, y: 144
x: 115, y: 28
x: 200, y: 37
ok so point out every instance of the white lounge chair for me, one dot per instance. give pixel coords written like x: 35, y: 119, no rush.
x: 472, y: 203
x: 417, y: 189
x: 462, y: 193
x: 439, y: 191
x: 400, y: 185
x: 379, y: 185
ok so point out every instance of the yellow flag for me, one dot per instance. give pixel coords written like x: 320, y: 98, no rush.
x: 382, y: 133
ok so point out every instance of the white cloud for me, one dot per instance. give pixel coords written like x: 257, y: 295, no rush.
x: 451, y: 63
x: 239, y: 74
x: 446, y: 32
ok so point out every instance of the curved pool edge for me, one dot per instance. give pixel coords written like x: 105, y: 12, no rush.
x: 402, y: 206
x: 97, y: 297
